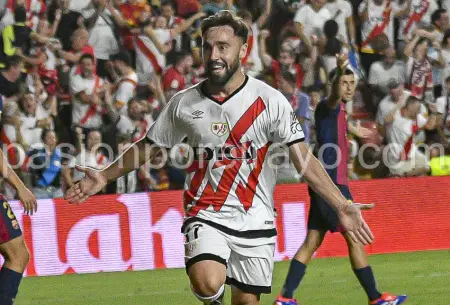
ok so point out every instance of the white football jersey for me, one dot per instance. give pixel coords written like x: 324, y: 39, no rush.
x: 230, y: 183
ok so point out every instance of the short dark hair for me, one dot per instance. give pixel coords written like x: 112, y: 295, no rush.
x: 333, y: 73
x: 20, y: 14
x: 437, y: 15
x: 122, y: 56
x: 44, y: 133
x: 226, y: 18
x: 12, y: 61
x: 87, y: 56
x: 330, y: 28
x: 244, y: 14
x: 411, y: 100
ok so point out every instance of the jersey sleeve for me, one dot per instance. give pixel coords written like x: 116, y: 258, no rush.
x: 76, y: 85
x: 164, y: 35
x: 124, y: 93
x: 167, y: 131
x: 285, y: 127
x: 300, y: 15
x: 348, y: 10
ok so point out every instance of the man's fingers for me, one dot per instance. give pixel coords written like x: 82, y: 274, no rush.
x: 365, y: 236
x: 360, y: 238
x: 352, y: 236
x: 81, y: 168
x: 366, y: 228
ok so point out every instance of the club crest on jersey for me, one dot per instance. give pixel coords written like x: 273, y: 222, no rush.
x: 219, y: 129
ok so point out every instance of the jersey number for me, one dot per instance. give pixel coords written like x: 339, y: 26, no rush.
x: 245, y: 194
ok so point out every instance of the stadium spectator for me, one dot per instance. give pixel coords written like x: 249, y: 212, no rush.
x: 390, y: 105
x: 127, y: 184
x: 440, y: 21
x: 126, y: 80
x: 34, y: 118
x: 439, y: 164
x: 86, y: 100
x: 377, y: 27
x: 309, y: 21
x: 179, y: 76
x: 443, y: 111
x: 214, y: 6
x: 286, y: 61
x: 418, y: 67
x: 252, y: 61
x: 150, y: 60
x: 173, y: 21
x: 10, y: 76
x: 44, y: 163
x: 88, y: 155
x: 17, y: 38
x: 103, y: 34
x: 342, y: 11
x: 385, y: 70
x: 300, y: 101
x: 404, y: 158
x: 332, y: 45
x: 186, y: 8
x: 64, y: 22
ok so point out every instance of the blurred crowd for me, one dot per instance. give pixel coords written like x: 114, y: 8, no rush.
x: 87, y: 78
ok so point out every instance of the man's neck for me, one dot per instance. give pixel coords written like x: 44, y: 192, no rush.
x: 387, y: 65
x: 316, y: 7
x: 8, y: 76
x: 233, y: 84
x: 65, y: 10
x: 90, y: 76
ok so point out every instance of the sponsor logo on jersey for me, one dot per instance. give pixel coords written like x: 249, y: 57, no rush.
x: 197, y: 114
x: 230, y: 152
x: 219, y: 129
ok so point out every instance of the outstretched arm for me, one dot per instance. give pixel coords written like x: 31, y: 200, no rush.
x: 316, y: 176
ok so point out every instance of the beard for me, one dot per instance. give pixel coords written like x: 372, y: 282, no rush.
x: 221, y: 80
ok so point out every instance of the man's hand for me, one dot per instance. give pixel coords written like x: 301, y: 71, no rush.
x: 91, y: 184
x: 362, y: 132
x: 28, y: 200
x: 264, y: 34
x: 342, y: 61
x: 353, y: 222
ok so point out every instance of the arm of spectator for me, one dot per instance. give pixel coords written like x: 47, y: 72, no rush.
x: 121, y: 22
x: 301, y: 34
x: 186, y: 24
x: 8, y: 37
x: 51, y: 103
x: 409, y: 48
x: 403, y: 13
x: 150, y: 32
x: 230, y: 5
x: 440, y: 62
x: 111, y: 111
x: 364, y: 11
x: 265, y: 15
x: 35, y: 61
x: 79, y: 140
x: 352, y: 32
x: 266, y: 58
x: 39, y: 38
x: 17, y: 123
x: 84, y: 97
x: 156, y: 86
x: 313, y: 56
x: 391, y: 116
x: 70, y: 57
x: 55, y: 25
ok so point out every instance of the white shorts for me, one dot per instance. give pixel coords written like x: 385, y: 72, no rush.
x: 249, y: 268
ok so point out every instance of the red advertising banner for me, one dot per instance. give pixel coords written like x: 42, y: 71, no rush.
x: 142, y: 231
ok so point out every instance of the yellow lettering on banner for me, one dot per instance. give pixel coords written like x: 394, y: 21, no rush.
x: 9, y: 212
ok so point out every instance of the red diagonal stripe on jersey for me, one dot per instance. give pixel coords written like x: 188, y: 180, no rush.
x: 217, y: 198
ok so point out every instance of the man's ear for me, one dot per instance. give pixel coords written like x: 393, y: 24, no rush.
x: 243, y: 51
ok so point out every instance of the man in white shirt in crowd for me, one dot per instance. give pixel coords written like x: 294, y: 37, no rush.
x: 149, y: 59
x: 309, y: 21
x: 390, y: 105
x: 377, y: 27
x: 403, y: 156
x: 342, y: 13
x: 89, y: 156
x: 86, y: 89
x: 443, y: 110
x: 385, y: 70
x: 102, y: 34
x: 126, y: 80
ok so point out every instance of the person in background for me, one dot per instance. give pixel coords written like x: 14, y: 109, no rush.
x: 214, y: 6
x: 125, y: 80
x: 377, y: 27
x: 44, y: 163
x: 88, y: 156
x: 127, y: 184
x: 299, y: 101
x: 342, y: 11
x: 419, y: 66
x: 404, y: 158
x: 252, y: 61
x: 176, y: 78
x: 86, y: 95
x: 443, y: 112
x: 390, y: 105
x: 383, y: 71
x: 64, y: 22
x: 439, y: 164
